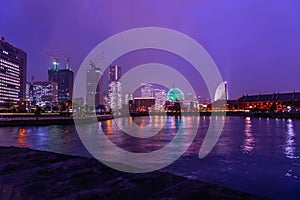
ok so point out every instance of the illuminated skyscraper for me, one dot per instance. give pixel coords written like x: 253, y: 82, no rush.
x: 115, y: 95
x: 13, y: 62
x: 115, y: 88
x: 64, y: 77
x: 114, y: 73
x: 94, y: 93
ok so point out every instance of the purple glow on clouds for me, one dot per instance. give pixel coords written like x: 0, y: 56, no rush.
x: 255, y: 44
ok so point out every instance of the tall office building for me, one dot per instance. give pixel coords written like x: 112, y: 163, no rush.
x: 94, y: 92
x: 13, y: 63
x: 64, y: 77
x: 115, y: 88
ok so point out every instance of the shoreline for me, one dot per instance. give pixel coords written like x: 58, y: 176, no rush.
x: 45, y: 120
x: 293, y: 115
x: 52, y: 175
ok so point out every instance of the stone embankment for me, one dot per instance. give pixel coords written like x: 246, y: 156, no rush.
x: 32, y: 174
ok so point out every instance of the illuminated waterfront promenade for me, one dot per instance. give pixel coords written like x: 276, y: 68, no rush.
x: 29, y: 119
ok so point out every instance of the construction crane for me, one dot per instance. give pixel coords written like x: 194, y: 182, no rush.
x: 55, y: 60
x: 94, y: 62
x: 32, y: 79
x: 66, y: 58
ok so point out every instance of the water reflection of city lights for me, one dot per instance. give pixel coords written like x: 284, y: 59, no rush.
x: 108, y: 127
x: 290, y: 144
x: 67, y: 131
x: 249, y: 141
x: 22, y: 138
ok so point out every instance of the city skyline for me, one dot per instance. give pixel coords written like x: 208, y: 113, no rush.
x: 247, y: 41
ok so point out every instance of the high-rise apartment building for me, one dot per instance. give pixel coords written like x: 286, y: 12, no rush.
x: 13, y: 63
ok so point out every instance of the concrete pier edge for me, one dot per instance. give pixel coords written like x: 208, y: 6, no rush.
x: 34, y: 174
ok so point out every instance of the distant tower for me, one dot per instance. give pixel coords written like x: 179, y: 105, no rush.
x: 13, y: 63
x: 115, y: 88
x: 146, y: 90
x: 94, y: 86
x: 226, y: 91
x: 114, y: 73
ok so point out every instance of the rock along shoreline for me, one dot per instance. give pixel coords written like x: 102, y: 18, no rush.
x: 33, y: 174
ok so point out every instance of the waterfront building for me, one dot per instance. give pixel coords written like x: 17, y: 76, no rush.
x: 142, y: 104
x: 43, y: 93
x: 13, y: 61
x: 128, y: 97
x: 64, y: 77
x: 160, y: 99
x: 204, y: 100
x: 78, y: 101
x: 106, y: 102
x: 221, y: 92
x: 190, y: 102
x: 271, y: 102
x: 189, y: 96
x: 94, y: 92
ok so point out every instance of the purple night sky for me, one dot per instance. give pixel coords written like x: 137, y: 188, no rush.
x: 255, y: 44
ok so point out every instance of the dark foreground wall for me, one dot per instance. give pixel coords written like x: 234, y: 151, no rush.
x: 30, y: 174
